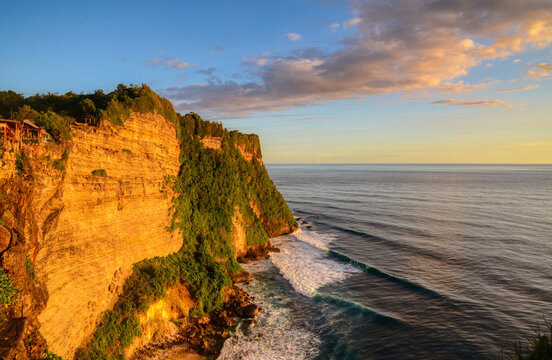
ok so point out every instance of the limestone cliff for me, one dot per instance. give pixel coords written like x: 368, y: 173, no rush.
x: 80, y: 214
x: 95, y: 227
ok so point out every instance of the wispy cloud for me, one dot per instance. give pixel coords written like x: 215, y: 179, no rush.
x: 528, y: 87
x: 173, y: 63
x: 294, y: 36
x: 471, y: 102
x: 539, y: 71
x: 460, y: 86
x: 533, y: 144
x: 209, y: 71
x: 351, y: 22
x: 396, y: 45
x: 544, y: 67
x: 333, y: 27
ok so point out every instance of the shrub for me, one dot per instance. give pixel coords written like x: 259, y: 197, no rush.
x: 146, y: 285
x: 8, y: 291
x: 99, y: 172
x: 538, y: 348
x: 127, y: 151
x: 29, y: 267
x: 56, y: 125
x: 26, y: 113
x: 48, y: 355
x: 135, y: 98
x: 59, y: 164
x: 21, y: 163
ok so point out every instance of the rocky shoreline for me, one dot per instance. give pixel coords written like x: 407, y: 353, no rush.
x: 203, y: 338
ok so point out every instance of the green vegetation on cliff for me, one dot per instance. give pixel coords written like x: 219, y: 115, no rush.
x: 147, y: 284
x: 211, y: 186
x: 57, y: 112
x: 8, y: 291
x: 99, y: 172
x: 29, y: 267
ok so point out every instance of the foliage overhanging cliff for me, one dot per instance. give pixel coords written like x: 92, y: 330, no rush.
x: 217, y: 189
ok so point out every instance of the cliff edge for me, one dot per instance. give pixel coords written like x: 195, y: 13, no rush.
x: 97, y: 226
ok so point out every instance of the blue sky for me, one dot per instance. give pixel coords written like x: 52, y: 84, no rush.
x: 319, y: 81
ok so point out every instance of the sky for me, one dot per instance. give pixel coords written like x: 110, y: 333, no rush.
x: 320, y: 81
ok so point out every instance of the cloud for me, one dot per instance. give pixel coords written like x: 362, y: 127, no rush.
x: 528, y: 87
x: 169, y: 63
x: 255, y: 61
x: 308, y: 53
x: 516, y: 61
x: 544, y: 67
x: 294, y: 36
x: 539, y: 71
x: 333, y: 27
x: 351, y: 22
x: 209, y: 71
x: 261, y: 62
x: 533, y: 144
x: 397, y: 45
x: 460, y: 86
x: 471, y: 102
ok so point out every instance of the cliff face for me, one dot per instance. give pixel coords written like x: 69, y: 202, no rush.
x: 95, y: 227
x: 88, y: 212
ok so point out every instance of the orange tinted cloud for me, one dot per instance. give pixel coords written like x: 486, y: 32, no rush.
x: 471, y: 102
x: 539, y: 71
x: 396, y: 45
x: 528, y: 87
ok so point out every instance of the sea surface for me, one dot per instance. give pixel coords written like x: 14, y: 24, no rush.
x: 404, y: 262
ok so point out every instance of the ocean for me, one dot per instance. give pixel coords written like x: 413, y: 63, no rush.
x: 403, y: 262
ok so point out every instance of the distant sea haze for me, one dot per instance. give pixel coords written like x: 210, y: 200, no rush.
x: 405, y: 262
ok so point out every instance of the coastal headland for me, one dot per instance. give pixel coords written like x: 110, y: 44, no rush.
x: 123, y: 225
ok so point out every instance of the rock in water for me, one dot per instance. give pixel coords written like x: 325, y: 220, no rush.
x: 250, y: 311
x: 244, y: 276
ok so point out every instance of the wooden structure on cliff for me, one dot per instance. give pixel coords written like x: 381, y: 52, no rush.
x: 87, y: 120
x: 21, y: 131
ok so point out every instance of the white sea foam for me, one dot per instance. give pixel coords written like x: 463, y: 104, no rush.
x: 275, y: 336
x: 303, y: 261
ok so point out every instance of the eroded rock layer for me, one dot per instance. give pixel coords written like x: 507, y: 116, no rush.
x: 110, y: 210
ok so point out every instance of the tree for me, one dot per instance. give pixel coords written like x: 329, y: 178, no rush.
x: 88, y: 106
x: 26, y: 112
x: 9, y: 102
